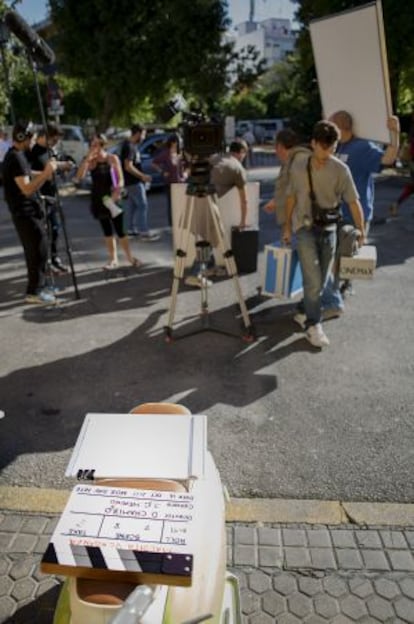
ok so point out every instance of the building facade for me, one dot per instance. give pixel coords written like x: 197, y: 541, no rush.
x: 273, y: 38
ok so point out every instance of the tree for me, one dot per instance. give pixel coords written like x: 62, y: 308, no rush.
x: 125, y: 52
x: 248, y: 67
x: 290, y: 92
x: 246, y: 106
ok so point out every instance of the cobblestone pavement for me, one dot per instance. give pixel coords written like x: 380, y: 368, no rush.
x: 288, y: 573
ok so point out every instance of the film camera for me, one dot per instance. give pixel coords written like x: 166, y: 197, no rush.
x: 201, y: 139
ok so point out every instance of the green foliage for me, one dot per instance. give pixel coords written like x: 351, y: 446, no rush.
x: 289, y: 93
x: 77, y: 107
x: 246, y: 106
x: 125, y: 52
x: 247, y: 69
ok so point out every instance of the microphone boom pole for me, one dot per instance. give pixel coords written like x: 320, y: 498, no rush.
x: 36, y: 46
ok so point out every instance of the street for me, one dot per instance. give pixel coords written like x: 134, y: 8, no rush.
x: 284, y: 420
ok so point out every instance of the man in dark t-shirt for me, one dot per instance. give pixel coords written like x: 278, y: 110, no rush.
x: 20, y: 194
x: 135, y: 181
x: 38, y: 156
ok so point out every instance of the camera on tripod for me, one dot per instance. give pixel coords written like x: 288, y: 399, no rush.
x: 201, y: 139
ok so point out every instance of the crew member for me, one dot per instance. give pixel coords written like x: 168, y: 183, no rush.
x: 38, y: 156
x: 20, y: 192
x: 317, y: 186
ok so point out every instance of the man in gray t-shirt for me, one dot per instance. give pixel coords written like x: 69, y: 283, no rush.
x: 226, y: 172
x: 332, y: 183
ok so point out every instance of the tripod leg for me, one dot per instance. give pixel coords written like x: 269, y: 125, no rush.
x: 179, y: 263
x: 48, y: 229
x: 67, y: 245
x: 230, y: 265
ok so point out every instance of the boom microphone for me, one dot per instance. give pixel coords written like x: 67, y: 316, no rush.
x: 36, y: 46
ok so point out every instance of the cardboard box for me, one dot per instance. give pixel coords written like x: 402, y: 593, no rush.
x: 360, y: 266
x: 283, y: 275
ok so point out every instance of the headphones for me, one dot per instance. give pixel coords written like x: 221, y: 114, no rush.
x: 23, y: 131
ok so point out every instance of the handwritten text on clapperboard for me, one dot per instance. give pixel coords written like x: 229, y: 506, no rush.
x: 128, y: 518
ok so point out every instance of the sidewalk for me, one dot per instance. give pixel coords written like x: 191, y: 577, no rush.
x: 289, y: 572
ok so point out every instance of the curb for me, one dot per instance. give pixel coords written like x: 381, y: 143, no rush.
x: 243, y: 510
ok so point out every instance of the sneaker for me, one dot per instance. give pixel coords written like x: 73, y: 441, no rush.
x: 59, y: 266
x: 331, y: 313
x: 197, y: 281
x: 149, y: 237
x: 54, y: 290
x: 317, y: 336
x: 43, y: 298
x: 300, y: 319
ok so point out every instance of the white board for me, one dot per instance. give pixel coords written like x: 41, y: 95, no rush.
x: 351, y: 66
x: 147, y: 446
x: 105, y: 531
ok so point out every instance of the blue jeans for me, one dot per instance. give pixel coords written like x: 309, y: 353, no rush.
x: 316, y: 250
x: 331, y: 296
x: 136, y: 205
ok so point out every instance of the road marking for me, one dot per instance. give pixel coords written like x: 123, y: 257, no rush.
x: 256, y: 510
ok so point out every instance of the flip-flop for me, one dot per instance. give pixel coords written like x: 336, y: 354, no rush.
x: 111, y: 265
x: 137, y: 264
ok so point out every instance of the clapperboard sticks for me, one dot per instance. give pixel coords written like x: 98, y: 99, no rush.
x: 131, y: 565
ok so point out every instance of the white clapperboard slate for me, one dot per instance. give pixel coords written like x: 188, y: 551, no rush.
x: 130, y: 534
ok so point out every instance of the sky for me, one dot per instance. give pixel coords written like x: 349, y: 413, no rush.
x: 35, y: 10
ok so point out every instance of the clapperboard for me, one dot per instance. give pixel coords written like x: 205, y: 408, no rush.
x: 143, y: 535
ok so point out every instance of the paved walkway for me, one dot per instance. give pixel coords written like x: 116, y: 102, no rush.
x: 289, y: 573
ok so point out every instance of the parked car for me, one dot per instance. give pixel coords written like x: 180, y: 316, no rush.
x: 73, y: 143
x: 264, y: 130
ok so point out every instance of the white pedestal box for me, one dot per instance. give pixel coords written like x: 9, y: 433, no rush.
x: 229, y: 207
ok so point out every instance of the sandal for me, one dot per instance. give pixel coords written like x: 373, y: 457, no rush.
x: 113, y: 264
x: 137, y: 264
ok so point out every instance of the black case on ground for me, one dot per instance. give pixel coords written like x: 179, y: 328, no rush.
x: 245, y: 246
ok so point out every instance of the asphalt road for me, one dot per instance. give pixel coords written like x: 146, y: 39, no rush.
x: 284, y: 419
